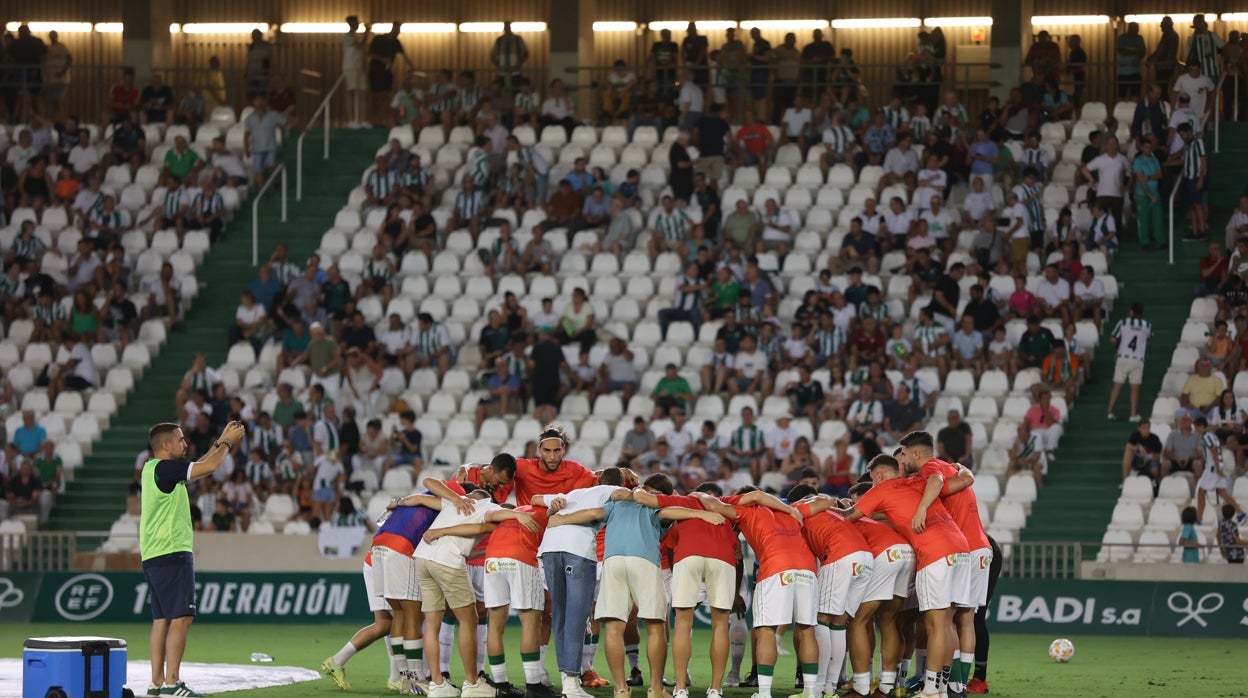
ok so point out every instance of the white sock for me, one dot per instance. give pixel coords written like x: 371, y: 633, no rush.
x: 920, y: 662
x: 446, y: 643
x: 633, y: 652
x: 738, y: 634
x: 903, y: 669
x: 888, y: 679
x: 423, y: 662
x: 409, y: 650
x: 532, y: 672
x: 862, y: 683
x: 482, y: 631
x: 396, y: 668
x: 542, y: 664
x: 823, y: 638
x: 344, y: 655
x: 837, y: 659
x: 930, y: 681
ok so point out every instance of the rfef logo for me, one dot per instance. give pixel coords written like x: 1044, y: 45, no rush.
x: 84, y: 597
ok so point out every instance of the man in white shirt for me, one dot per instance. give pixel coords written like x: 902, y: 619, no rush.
x: 1053, y: 295
x: 441, y: 569
x: 83, y: 265
x: 1238, y: 224
x: 1197, y: 87
x: 1182, y: 114
x: 781, y: 439
x: 931, y: 182
x: 977, y: 203
x: 901, y: 162
x: 1087, y: 297
x: 1112, y: 171
x: 570, y: 560
x: 750, y: 370
x: 796, y: 122
x: 679, y: 438
x: 77, y: 369
x: 776, y: 227
x: 940, y: 222
x: 689, y: 101
x: 83, y: 156
x: 397, y: 344
x: 898, y: 220
x: 229, y: 166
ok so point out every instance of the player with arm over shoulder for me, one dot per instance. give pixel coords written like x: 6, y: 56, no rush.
x: 948, y: 482
x: 940, y: 546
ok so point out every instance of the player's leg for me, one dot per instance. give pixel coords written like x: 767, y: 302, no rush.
x: 979, y: 682
x: 632, y: 649
x: 861, y: 647
x: 530, y: 651
x: 613, y: 647
x: 964, y: 650
x: 413, y: 646
x: 175, y: 647
x: 160, y: 631
x: 888, y: 618
x: 494, y: 647
x: 682, y: 647
x: 656, y: 654
x: 467, y: 617
x: 939, y: 625
x: 719, y: 647
x: 765, y: 653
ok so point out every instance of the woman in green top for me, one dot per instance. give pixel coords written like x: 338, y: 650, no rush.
x: 84, y: 318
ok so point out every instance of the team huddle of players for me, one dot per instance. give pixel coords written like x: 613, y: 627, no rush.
x: 584, y: 555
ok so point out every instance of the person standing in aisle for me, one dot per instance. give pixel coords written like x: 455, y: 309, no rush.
x: 1130, y: 336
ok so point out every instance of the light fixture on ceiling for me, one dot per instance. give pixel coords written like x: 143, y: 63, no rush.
x: 784, y: 24
x: 218, y: 28
x: 1058, y: 20
x: 615, y: 26
x: 701, y: 24
x: 878, y: 23
x: 497, y: 27
x: 44, y: 27
x: 958, y: 22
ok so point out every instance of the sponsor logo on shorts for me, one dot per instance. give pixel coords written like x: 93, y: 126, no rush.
x: 859, y: 568
x: 786, y: 578
x: 491, y: 566
x: 951, y: 560
x: 984, y: 561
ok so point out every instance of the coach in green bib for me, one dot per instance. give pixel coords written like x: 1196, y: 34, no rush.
x: 165, y: 540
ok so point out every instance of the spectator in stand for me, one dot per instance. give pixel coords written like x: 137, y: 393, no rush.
x: 968, y: 346
x: 29, y: 436
x: 1045, y: 422
x: 865, y: 416
x: 1060, y: 371
x: 637, y: 440
x: 382, y: 52
x: 902, y: 415
x: 617, y: 372
x: 954, y: 441
x: 74, y: 368
x: 576, y: 324
x: 260, y: 139
x: 1142, y: 454
x: 1164, y: 56
x: 123, y: 98
x: 659, y: 459
x: 156, y: 102
x: 1112, y: 171
x: 500, y: 387
x: 690, y: 99
x: 1053, y: 295
x: 1027, y: 453
x: 1087, y: 299
x: 901, y: 165
x: 671, y: 392
x: 28, y: 495
x: 1034, y: 345
x: 753, y: 143
x: 1201, y: 392
x: 557, y: 109
x: 750, y: 370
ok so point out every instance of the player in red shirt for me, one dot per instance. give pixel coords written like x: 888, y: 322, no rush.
x: 951, y: 484
x: 891, y: 577
x: 702, y: 554
x: 844, y: 569
x: 513, y: 580
x: 785, y: 592
x: 549, y: 473
x: 498, y: 478
x: 941, y: 547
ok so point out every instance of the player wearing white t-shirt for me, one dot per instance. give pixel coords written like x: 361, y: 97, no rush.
x: 1130, y: 336
x: 443, y: 575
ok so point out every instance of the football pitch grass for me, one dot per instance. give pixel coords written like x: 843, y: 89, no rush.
x: 1020, y: 666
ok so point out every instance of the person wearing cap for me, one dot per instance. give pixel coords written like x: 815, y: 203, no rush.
x: 1204, y: 48
x: 323, y: 358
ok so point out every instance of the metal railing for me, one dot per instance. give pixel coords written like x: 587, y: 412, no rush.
x: 1174, y: 193
x: 37, y: 551
x: 280, y: 172
x: 323, y: 109
x: 1042, y: 560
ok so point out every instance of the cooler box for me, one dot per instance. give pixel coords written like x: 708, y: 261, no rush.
x: 73, y: 667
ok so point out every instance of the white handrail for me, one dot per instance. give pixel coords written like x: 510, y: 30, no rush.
x: 1173, y: 194
x: 1217, y: 114
x: 279, y: 173
x: 323, y: 108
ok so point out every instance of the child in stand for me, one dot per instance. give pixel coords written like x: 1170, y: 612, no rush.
x: 1187, y: 537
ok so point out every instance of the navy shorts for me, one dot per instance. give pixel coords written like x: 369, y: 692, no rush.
x: 171, y: 583
x: 1195, y: 195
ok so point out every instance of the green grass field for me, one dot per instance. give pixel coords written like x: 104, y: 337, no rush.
x: 1102, y: 666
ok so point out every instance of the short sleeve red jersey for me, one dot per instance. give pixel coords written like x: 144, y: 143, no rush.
x: 776, y: 539
x: 699, y: 538
x: 513, y: 541
x: 962, y: 505
x: 830, y: 536
x: 898, y: 499
x: 532, y: 478
x: 879, y: 536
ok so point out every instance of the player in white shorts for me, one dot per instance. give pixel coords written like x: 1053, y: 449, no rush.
x: 786, y: 592
x: 513, y: 581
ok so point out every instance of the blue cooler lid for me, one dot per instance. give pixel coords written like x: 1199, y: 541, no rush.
x: 68, y: 642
